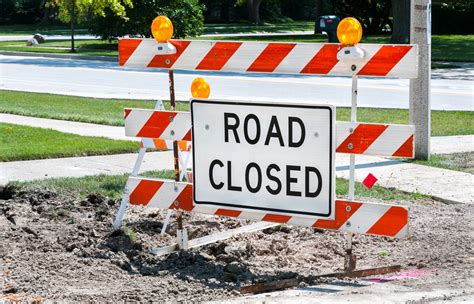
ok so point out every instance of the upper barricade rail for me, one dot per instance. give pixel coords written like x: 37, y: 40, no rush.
x: 379, y: 60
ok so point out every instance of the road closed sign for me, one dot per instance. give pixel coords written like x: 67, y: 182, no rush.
x: 276, y: 158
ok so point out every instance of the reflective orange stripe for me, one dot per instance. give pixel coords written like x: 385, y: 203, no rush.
x: 227, y: 212
x: 218, y: 56
x: 126, y: 112
x: 160, y: 144
x: 361, y: 139
x: 323, y: 61
x: 344, y: 210
x: 406, y: 149
x: 126, y: 48
x: 271, y: 57
x: 156, y: 124
x: 384, y: 60
x: 185, y: 199
x: 391, y: 222
x: 276, y: 218
x: 188, y: 135
x: 144, y: 191
x: 166, y: 61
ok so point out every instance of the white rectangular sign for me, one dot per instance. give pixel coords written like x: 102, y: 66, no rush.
x: 276, y: 158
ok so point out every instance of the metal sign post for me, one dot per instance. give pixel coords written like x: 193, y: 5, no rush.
x: 350, y: 258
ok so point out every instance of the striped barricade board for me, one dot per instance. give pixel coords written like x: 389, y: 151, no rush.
x: 380, y: 60
x: 392, y: 140
x: 159, y: 129
x: 351, y: 216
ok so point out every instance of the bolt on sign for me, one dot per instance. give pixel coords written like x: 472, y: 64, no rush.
x: 264, y: 156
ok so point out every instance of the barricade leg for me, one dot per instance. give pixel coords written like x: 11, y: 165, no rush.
x: 124, y: 202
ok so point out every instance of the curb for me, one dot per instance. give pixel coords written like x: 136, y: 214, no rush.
x: 61, y: 56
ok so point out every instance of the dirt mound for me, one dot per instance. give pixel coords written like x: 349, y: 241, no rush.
x: 59, y: 247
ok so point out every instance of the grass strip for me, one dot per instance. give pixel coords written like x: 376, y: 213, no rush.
x: 112, y: 186
x: 82, y: 109
x: 110, y: 111
x: 213, y: 28
x: 463, y: 162
x: 26, y: 143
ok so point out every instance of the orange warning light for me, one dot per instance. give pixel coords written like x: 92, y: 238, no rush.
x: 200, y: 88
x: 162, y: 28
x: 349, y: 31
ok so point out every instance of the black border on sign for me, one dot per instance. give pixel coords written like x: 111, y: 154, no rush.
x: 192, y: 101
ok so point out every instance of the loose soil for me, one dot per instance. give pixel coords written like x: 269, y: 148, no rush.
x: 61, y: 248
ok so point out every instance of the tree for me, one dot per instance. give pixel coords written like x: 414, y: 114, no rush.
x: 254, y: 10
x: 373, y: 14
x: 401, y: 21
x: 186, y: 15
x: 317, y: 13
x: 253, y: 7
x: 72, y: 11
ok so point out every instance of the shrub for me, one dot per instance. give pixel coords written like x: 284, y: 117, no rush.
x: 186, y: 15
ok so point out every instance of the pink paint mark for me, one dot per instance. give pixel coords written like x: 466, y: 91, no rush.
x: 410, y: 274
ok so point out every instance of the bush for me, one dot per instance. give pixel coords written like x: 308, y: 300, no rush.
x: 21, y: 12
x: 453, y: 19
x: 186, y: 15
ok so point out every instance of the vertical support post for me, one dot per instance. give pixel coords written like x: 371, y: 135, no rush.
x: 352, y: 156
x: 420, y: 88
x: 181, y: 233
x: 350, y: 258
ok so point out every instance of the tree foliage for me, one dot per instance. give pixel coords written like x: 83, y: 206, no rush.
x: 373, y: 14
x: 186, y: 15
x: 87, y: 8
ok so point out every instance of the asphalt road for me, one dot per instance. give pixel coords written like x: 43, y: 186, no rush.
x: 451, y: 89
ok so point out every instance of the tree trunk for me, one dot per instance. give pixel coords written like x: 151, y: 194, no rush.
x: 225, y: 10
x: 317, y: 12
x: 73, y: 20
x: 254, y: 10
x: 401, y: 21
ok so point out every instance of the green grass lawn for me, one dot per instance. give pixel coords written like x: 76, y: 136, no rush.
x: 110, y: 111
x: 31, y: 29
x: 94, y: 110
x: 83, y: 47
x: 24, y: 143
x: 112, y: 186
x: 456, y: 161
x: 216, y: 28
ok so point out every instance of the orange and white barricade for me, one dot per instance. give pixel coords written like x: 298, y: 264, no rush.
x: 159, y: 129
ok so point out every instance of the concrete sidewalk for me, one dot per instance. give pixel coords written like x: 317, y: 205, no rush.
x: 78, y: 128
x: 445, y: 185
x: 81, y: 166
x: 439, y: 144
